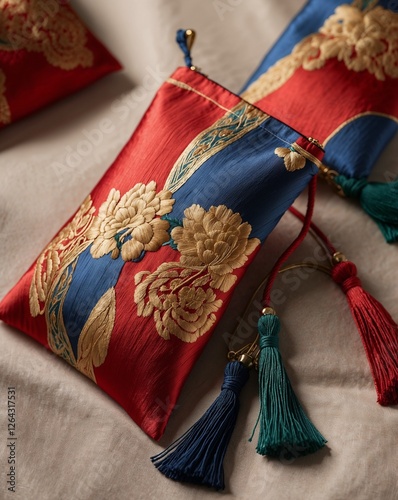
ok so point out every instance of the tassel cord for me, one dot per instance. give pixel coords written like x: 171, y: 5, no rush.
x: 181, y: 39
x: 316, y: 231
x: 377, y: 329
x: 295, y: 244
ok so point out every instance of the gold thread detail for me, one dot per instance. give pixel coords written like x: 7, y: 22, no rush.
x: 185, y: 86
x: 57, y: 337
x: 307, y: 155
x: 237, y: 122
x: 92, y: 347
x: 52, y: 276
x: 292, y: 159
x: 181, y: 296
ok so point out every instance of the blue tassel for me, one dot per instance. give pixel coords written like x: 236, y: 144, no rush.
x: 285, y: 429
x: 198, y: 455
x: 185, y: 46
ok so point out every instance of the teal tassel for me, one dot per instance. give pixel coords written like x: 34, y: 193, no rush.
x: 378, y: 199
x: 198, y: 455
x: 285, y: 430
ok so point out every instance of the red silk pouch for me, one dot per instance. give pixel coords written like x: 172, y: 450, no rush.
x: 131, y: 288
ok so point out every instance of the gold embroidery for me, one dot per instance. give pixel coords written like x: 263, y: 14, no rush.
x: 46, y: 27
x: 363, y: 40
x: 291, y: 158
x: 187, y: 87
x: 215, y: 240
x: 237, y: 122
x: 64, y: 248
x: 95, y: 336
x: 179, y: 305
x: 306, y: 154
x: 57, y: 337
x: 132, y: 214
x: 180, y: 295
x: 5, y: 113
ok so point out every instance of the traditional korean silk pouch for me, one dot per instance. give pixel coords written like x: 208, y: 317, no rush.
x: 333, y: 75
x: 131, y: 288
x: 46, y: 53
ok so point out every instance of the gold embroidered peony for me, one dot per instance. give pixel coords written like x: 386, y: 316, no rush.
x: 216, y: 240
x: 181, y: 295
x: 46, y: 27
x: 364, y: 40
x: 128, y: 225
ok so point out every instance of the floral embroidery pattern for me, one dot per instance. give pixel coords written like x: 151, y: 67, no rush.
x: 64, y: 248
x: 362, y: 39
x: 5, y: 113
x: 49, y: 28
x: 292, y: 159
x: 216, y: 241
x: 181, y: 295
x: 179, y: 305
x: 127, y: 224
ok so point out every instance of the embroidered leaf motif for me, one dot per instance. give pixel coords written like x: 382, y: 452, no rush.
x: 291, y: 158
x: 94, y: 338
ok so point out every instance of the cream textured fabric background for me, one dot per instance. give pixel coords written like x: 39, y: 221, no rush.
x: 74, y: 442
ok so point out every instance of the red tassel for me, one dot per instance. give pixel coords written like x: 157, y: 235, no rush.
x: 378, y: 331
